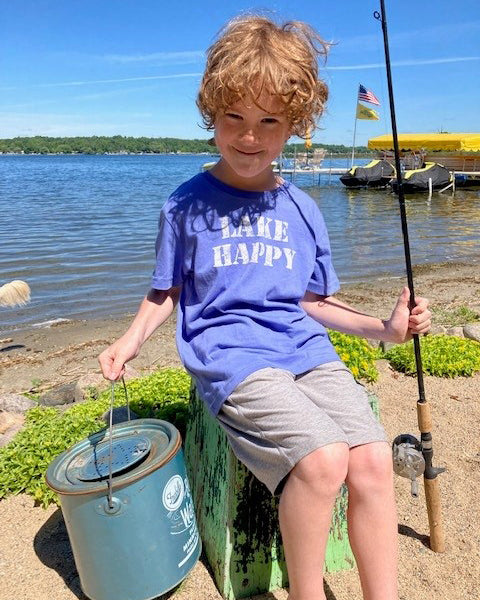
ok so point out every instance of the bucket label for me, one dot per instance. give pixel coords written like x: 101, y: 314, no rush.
x: 178, y: 501
x: 173, y: 493
x: 190, y: 545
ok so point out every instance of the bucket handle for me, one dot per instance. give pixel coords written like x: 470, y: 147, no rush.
x: 111, y: 505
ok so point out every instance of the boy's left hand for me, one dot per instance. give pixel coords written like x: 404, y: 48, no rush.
x: 403, y: 323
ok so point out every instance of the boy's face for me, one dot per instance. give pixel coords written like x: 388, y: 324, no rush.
x: 249, y: 138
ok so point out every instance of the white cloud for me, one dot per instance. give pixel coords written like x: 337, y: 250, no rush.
x: 176, y: 58
x: 123, y: 80
x: 60, y: 125
x: 425, y: 35
x: 80, y: 97
x: 404, y: 63
x: 95, y: 81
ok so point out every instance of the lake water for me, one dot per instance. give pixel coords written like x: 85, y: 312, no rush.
x: 81, y: 229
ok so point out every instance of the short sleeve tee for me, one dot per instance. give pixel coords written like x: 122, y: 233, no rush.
x: 244, y: 261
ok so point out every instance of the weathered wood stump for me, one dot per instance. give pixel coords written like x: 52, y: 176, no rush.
x: 237, y: 516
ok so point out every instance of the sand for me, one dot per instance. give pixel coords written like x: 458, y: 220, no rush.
x: 35, y: 556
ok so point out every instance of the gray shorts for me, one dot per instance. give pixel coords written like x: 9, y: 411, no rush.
x: 273, y: 418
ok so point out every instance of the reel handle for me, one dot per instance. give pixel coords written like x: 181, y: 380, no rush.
x: 414, y: 488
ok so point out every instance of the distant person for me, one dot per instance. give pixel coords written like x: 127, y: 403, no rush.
x: 246, y: 255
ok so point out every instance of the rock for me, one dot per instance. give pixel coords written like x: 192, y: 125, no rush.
x: 16, y: 403
x: 457, y: 331
x: 61, y: 394
x: 120, y: 415
x: 10, y: 424
x: 88, y: 382
x: 472, y: 331
x: 8, y: 420
x: 437, y: 329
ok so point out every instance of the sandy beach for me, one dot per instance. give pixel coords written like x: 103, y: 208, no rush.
x: 35, y: 556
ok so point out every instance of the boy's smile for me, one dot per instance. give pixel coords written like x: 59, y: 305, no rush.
x: 249, y: 138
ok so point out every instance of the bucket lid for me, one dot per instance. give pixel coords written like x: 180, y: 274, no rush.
x: 138, y: 448
x: 94, y: 465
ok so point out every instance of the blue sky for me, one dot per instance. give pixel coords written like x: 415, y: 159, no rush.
x: 133, y: 67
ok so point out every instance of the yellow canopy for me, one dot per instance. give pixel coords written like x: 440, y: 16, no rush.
x: 436, y: 142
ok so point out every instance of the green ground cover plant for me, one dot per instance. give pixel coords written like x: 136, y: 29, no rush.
x: 49, y: 432
x: 357, y: 354
x: 442, y: 356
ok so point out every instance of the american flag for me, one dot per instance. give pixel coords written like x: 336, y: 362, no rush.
x: 367, y: 95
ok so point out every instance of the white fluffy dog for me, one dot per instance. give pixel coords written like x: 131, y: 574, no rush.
x: 14, y: 293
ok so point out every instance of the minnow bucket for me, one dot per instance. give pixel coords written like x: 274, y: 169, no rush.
x: 127, y: 506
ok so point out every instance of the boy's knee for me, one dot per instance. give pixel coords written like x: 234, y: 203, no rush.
x: 370, y: 467
x: 324, y: 468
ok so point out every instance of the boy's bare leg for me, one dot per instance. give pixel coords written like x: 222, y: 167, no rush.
x: 305, y: 514
x: 372, y: 519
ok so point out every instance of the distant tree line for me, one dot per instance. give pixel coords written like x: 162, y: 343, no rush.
x: 116, y: 144
x: 119, y: 144
x: 330, y: 148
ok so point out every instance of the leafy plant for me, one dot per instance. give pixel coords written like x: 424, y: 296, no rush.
x: 49, y: 432
x: 442, y: 356
x: 457, y: 316
x: 358, y: 355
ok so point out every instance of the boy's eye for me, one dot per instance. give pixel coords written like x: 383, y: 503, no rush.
x: 270, y: 120
x: 233, y: 115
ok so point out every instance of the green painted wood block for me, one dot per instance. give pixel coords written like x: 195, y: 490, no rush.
x: 237, y: 516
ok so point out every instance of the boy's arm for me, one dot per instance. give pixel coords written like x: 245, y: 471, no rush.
x: 332, y: 313
x: 154, y: 310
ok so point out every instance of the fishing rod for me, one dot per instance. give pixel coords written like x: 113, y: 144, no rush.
x: 412, y: 457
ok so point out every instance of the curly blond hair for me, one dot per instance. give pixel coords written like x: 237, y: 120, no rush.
x: 253, y: 54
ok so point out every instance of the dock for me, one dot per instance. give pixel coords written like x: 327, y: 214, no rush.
x: 314, y: 172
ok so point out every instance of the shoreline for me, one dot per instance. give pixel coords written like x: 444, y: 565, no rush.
x: 345, y: 289
x: 36, y: 358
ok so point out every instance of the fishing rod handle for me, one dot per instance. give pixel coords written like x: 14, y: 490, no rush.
x: 430, y: 480
x: 434, y: 511
x: 424, y: 417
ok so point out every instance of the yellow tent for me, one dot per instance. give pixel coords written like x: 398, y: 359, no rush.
x: 434, y: 142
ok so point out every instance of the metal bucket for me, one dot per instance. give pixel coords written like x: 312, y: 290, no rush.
x: 128, y: 510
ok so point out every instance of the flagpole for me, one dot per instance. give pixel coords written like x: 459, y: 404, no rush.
x: 354, y: 135
x: 354, y: 131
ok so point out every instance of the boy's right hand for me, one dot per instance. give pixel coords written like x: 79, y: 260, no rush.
x: 154, y: 310
x: 112, y: 360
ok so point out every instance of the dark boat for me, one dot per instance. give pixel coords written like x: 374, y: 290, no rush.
x: 467, y: 180
x: 418, y: 180
x: 377, y: 174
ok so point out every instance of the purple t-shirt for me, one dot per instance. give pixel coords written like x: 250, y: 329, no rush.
x: 244, y: 260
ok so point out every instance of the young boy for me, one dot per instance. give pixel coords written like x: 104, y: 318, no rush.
x: 246, y: 254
